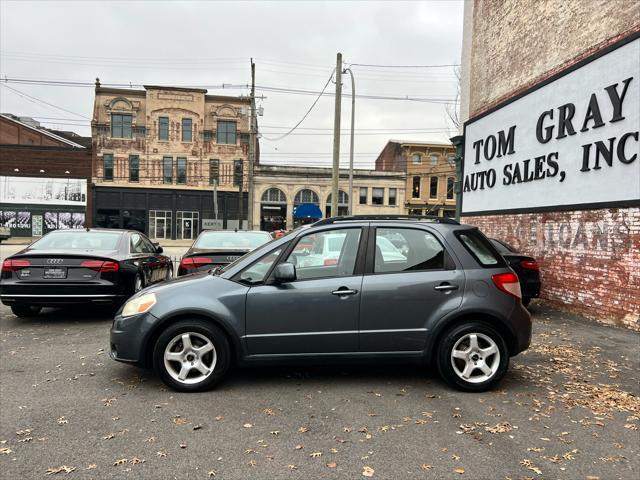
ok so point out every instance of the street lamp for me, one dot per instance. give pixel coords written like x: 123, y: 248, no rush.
x: 353, y: 116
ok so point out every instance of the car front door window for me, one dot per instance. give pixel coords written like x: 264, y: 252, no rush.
x: 330, y: 253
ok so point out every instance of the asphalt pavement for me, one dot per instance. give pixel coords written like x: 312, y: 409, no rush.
x: 568, y: 408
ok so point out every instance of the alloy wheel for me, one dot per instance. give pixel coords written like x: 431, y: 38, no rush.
x: 475, y: 357
x: 190, y: 358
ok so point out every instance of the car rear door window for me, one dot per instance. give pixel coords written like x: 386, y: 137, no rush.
x: 330, y: 253
x: 407, y: 249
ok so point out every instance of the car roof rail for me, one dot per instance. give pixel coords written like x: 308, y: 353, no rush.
x: 418, y: 218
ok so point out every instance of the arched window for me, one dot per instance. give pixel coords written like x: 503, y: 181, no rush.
x: 343, y: 199
x: 343, y: 204
x: 274, y: 195
x: 306, y: 196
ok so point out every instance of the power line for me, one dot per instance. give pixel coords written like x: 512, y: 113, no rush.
x: 305, y: 115
x: 42, y: 101
x: 403, y: 66
x: 263, y: 88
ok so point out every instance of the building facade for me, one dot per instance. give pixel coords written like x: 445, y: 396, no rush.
x: 550, y: 95
x: 159, y: 155
x: 278, y: 190
x: 45, y: 179
x: 430, y: 170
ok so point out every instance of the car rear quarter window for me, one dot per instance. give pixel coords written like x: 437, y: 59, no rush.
x: 480, y: 248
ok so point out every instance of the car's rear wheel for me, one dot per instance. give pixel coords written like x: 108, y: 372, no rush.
x: 25, y: 310
x: 472, y: 356
x: 192, y: 355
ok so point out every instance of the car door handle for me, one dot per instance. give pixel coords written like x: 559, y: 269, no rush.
x: 445, y: 287
x: 344, y: 291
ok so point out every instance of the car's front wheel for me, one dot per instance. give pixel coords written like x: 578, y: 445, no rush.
x: 25, y: 310
x: 192, y: 355
x: 472, y: 356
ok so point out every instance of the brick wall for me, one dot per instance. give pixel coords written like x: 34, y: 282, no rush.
x: 590, y: 259
x: 55, y: 161
x: 517, y: 43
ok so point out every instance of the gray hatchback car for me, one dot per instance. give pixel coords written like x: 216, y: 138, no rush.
x: 365, y: 288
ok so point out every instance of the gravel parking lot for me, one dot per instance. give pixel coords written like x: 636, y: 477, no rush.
x: 568, y: 408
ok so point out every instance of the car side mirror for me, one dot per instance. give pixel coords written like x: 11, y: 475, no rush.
x: 285, y: 272
x: 159, y: 249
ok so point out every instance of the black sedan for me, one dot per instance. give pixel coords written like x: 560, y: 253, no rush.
x: 215, y: 248
x: 527, y: 269
x: 95, y: 266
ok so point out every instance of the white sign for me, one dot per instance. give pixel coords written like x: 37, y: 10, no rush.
x: 572, y: 142
x: 211, y: 224
x: 41, y: 190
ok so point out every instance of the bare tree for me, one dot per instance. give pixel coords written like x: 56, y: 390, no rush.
x: 453, y: 108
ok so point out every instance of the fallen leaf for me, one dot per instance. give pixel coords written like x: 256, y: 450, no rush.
x: 197, y: 427
x: 426, y: 466
x: 333, y: 450
x: 91, y: 466
x: 332, y: 465
x: 161, y: 454
x: 219, y: 417
x: 136, y: 461
x: 292, y: 467
x: 62, y: 469
x: 529, y: 465
x: 247, y: 425
x: 122, y: 461
x: 211, y: 473
x: 183, y: 445
x: 252, y: 462
x: 303, y: 429
x: 269, y: 412
x: 316, y: 454
x: 299, y: 447
x: 5, y: 451
x: 108, y: 437
x: 275, y: 432
x: 178, y: 420
x: 62, y: 421
x: 367, y: 471
x: 459, y: 470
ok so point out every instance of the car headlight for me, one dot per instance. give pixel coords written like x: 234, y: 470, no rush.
x: 139, y: 305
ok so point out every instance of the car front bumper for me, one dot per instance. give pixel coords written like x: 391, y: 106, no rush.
x: 129, y: 336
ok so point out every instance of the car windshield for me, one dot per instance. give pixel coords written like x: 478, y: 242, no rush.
x: 232, y: 240
x: 78, y: 240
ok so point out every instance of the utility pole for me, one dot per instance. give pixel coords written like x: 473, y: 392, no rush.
x: 336, y: 137
x: 458, y: 142
x: 252, y: 147
x: 353, y: 119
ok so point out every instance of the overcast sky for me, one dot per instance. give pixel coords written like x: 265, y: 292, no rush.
x: 294, y: 46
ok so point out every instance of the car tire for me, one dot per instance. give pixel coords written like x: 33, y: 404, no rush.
x: 526, y: 301
x: 23, y: 311
x: 484, y: 360
x: 171, y: 355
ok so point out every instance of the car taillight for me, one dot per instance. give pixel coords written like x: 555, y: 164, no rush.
x: 195, y: 262
x: 100, y: 265
x: 508, y: 283
x: 13, y: 265
x: 530, y: 264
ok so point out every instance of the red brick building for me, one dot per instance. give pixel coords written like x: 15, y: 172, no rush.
x: 550, y: 95
x: 45, y: 179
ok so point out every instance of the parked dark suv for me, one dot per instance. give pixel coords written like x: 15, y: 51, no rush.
x: 365, y: 287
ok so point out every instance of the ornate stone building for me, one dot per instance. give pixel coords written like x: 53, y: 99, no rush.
x: 280, y: 189
x: 159, y: 152
x: 430, y: 172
